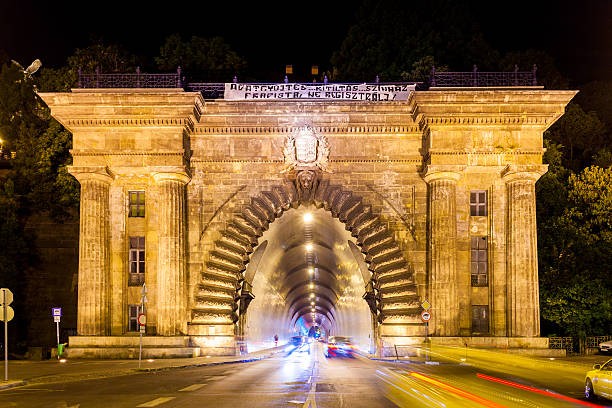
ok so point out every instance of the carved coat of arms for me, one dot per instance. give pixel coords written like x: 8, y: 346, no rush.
x: 305, y: 149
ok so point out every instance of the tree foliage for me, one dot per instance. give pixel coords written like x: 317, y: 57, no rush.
x: 575, y: 249
x: 211, y: 57
x: 390, y: 37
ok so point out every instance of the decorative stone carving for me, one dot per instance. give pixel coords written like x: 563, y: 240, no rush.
x: 306, y: 184
x: 305, y: 149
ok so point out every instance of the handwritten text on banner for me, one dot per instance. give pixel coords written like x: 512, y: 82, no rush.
x: 354, y: 92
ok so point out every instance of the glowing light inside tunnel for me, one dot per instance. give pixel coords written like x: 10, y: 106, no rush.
x: 311, y: 286
x: 307, y: 217
x: 312, y: 303
x: 312, y: 295
x: 309, y: 247
x: 311, y: 270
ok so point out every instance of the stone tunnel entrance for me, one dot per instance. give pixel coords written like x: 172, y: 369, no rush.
x: 304, y: 255
x: 308, y: 276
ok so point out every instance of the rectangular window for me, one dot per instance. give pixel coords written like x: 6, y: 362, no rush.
x: 479, y: 261
x: 480, y: 319
x: 137, y: 203
x: 137, y: 261
x: 478, y: 203
x: 133, y: 312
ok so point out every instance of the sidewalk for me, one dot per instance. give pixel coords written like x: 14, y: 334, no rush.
x: 54, y: 371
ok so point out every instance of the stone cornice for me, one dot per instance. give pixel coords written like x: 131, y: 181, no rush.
x: 75, y: 152
x: 485, y: 119
x: 266, y: 161
x: 179, y: 176
x: 130, y: 122
x: 369, y: 129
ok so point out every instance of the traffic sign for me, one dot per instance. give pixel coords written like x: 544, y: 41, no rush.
x: 10, y: 313
x: 9, y: 296
x: 57, y: 311
x: 56, y: 319
x: 142, y: 319
x: 426, y: 305
x: 425, y: 316
x: 142, y: 331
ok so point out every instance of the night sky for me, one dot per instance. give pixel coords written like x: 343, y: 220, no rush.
x: 273, y: 33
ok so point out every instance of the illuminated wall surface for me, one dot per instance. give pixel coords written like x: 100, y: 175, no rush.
x: 282, y: 282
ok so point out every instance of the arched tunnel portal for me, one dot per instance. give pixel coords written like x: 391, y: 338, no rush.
x: 296, y: 258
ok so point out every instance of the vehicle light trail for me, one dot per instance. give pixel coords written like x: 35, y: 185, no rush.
x: 457, y: 391
x: 526, y: 387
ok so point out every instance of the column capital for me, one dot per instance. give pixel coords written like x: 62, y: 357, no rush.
x: 87, y: 173
x: 179, y: 175
x: 436, y: 172
x: 513, y: 172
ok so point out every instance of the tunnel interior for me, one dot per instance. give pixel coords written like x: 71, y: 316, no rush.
x: 308, y: 273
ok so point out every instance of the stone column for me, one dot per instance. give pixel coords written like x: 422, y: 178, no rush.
x: 93, y: 315
x: 443, y: 253
x: 522, y: 296
x: 171, y: 276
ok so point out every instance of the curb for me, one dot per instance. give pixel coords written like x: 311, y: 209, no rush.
x: 247, y: 360
x: 17, y: 383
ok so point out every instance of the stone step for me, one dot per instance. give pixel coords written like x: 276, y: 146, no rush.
x: 128, y: 341
x: 231, y: 265
x: 245, y: 233
x: 215, y: 292
x: 206, y: 304
x: 128, y: 353
x: 208, y: 317
x: 211, y: 282
x: 393, y: 285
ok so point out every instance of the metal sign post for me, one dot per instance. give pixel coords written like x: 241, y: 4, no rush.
x: 142, y: 320
x: 7, y: 315
x: 426, y: 316
x: 57, y: 314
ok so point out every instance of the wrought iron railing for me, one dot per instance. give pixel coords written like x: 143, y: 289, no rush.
x: 561, y: 343
x: 135, y: 80
x: 593, y: 342
x: 477, y: 78
x: 138, y: 79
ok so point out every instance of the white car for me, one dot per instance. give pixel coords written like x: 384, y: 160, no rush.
x: 605, y: 347
x: 598, y: 382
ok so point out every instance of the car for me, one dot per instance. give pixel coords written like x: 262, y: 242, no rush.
x: 598, y: 382
x: 605, y: 347
x: 339, y: 346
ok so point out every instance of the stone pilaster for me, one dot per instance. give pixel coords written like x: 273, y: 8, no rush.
x: 442, y: 252
x: 521, y: 251
x: 93, y: 317
x: 171, y: 275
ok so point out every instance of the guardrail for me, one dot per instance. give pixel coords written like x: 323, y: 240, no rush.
x: 561, y: 343
x: 593, y: 342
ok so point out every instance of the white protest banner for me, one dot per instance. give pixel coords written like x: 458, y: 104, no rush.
x: 349, y: 92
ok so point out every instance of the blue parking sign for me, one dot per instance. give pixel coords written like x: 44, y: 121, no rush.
x: 57, y: 311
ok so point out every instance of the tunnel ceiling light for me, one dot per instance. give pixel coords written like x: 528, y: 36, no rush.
x: 311, y: 286
x: 311, y: 295
x: 307, y: 217
x: 312, y: 303
x: 311, y: 270
x: 309, y: 247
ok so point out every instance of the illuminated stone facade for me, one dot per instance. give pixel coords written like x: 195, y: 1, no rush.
x: 400, y: 178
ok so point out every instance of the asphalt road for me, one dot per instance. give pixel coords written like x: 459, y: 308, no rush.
x: 307, y: 379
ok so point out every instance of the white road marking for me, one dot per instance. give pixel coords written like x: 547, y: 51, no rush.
x: 156, y: 402
x: 193, y: 387
x: 311, y: 401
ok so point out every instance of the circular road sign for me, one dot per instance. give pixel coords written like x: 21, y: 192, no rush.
x: 142, y: 319
x: 10, y: 313
x: 425, y: 316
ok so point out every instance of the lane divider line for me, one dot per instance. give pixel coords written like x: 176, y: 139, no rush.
x: 536, y: 390
x: 193, y: 387
x: 457, y: 391
x: 155, y: 402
